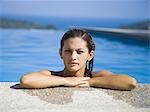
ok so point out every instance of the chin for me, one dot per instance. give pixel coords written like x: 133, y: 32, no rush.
x: 73, y: 69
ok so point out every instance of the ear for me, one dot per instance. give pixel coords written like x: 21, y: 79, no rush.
x: 91, y: 55
x: 60, y: 53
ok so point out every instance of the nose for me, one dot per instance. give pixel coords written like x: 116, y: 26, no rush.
x: 73, y: 56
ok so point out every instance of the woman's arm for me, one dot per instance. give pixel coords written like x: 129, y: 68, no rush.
x: 44, y: 79
x: 120, y: 82
x: 41, y: 79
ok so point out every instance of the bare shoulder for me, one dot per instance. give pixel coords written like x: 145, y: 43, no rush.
x: 49, y: 72
x: 102, y: 73
x: 45, y: 71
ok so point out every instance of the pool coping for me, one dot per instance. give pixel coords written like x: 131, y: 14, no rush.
x: 66, y: 99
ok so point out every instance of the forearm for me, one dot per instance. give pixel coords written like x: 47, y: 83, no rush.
x: 38, y: 80
x: 121, y: 82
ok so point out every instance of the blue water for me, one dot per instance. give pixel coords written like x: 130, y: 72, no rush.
x: 23, y: 51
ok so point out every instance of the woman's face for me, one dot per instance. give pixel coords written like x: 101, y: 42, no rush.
x: 75, y: 54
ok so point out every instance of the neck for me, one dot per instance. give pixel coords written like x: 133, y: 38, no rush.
x: 79, y: 73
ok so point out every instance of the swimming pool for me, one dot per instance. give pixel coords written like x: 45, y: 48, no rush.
x: 24, y: 51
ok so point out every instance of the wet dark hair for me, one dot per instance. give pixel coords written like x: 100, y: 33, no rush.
x: 72, y: 33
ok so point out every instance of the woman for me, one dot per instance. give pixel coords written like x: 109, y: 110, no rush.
x: 77, y: 52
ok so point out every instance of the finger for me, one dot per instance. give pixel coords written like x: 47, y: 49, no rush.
x: 86, y: 78
x: 83, y: 85
x: 83, y: 79
x: 82, y: 82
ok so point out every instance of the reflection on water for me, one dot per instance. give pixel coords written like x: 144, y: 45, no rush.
x: 24, y: 51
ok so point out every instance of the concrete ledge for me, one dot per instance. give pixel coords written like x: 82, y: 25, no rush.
x: 142, y: 35
x: 65, y: 99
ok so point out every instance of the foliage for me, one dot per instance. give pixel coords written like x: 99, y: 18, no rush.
x: 12, y: 23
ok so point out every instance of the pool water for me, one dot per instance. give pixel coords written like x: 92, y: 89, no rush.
x: 23, y: 51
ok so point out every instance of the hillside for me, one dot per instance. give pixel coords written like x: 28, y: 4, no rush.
x: 13, y: 23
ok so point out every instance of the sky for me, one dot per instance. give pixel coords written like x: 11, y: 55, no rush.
x: 132, y: 9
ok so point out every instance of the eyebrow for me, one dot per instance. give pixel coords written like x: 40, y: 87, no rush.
x: 76, y: 49
x: 80, y: 49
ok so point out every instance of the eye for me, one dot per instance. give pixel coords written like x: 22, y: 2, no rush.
x: 80, y: 52
x: 67, y: 51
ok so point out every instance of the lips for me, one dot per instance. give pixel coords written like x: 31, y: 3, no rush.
x: 74, y: 63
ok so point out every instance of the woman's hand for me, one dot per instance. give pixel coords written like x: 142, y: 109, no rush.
x: 77, y: 81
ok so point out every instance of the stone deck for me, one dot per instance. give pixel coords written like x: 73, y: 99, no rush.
x: 67, y: 99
